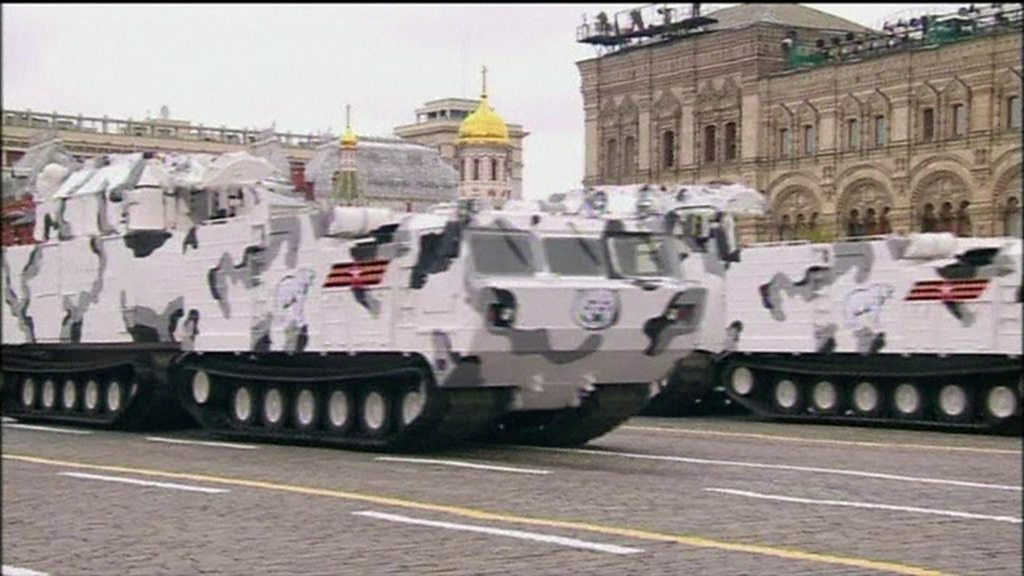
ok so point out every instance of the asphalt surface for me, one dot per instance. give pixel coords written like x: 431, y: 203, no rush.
x: 658, y: 496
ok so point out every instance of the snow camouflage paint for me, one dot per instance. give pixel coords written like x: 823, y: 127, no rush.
x: 213, y: 254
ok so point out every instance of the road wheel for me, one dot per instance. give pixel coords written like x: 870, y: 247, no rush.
x: 48, y: 396
x: 375, y: 413
x: 115, y: 396
x: 908, y: 401
x: 741, y: 380
x: 411, y: 403
x: 69, y: 395
x: 954, y: 404
x: 1001, y: 403
x: 274, y: 408
x: 866, y: 399
x: 91, y: 396
x: 825, y: 397
x: 201, y: 387
x: 29, y: 391
x: 242, y: 405
x: 787, y: 395
x: 305, y: 409
x: 339, y: 412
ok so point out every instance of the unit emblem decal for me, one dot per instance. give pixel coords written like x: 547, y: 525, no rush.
x: 595, y: 309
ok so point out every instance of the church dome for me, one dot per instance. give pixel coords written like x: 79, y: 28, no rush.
x: 484, y: 125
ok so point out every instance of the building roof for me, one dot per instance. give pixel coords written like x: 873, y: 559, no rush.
x: 386, y: 168
x: 783, y: 14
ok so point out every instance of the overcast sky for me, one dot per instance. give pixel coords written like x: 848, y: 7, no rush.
x: 298, y: 65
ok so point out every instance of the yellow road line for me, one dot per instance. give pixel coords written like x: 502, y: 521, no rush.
x: 785, y: 553
x: 818, y: 440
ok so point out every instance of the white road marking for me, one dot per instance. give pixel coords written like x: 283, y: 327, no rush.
x: 47, y: 429
x: 819, y: 440
x: 7, y: 419
x: 520, y: 534
x: 458, y: 464
x: 169, y: 485
x: 202, y: 443
x: 15, y: 571
x: 953, y: 513
x: 837, y: 471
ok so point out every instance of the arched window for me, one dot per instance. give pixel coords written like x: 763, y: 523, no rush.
x: 476, y: 169
x: 785, y: 143
x: 709, y: 143
x: 785, y: 228
x: 929, y: 222
x: 810, y: 140
x: 959, y: 118
x: 730, y: 141
x: 853, y: 134
x: 668, y: 149
x: 1012, y: 218
x: 927, y: 124
x: 881, y: 130
x: 854, y: 227
x: 962, y: 224
x: 494, y: 169
x: 612, y: 158
x: 1013, y: 110
x: 946, y: 218
x: 629, y: 155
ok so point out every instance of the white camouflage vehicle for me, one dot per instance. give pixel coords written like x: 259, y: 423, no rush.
x: 921, y: 330
x: 202, y: 278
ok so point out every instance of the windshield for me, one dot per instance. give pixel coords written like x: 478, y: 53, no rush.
x: 507, y: 254
x: 642, y: 255
x: 575, y: 256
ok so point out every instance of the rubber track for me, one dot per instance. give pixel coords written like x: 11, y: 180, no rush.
x: 448, y: 417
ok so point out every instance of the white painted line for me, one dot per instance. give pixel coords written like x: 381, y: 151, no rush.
x: 837, y: 471
x: 520, y: 534
x: 46, y: 429
x: 15, y: 571
x: 169, y: 485
x: 458, y: 464
x: 6, y: 420
x: 819, y: 440
x: 202, y: 443
x: 953, y: 513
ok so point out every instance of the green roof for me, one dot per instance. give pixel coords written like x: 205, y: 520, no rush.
x: 794, y: 15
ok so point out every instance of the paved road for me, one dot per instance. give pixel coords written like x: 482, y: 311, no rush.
x: 658, y: 496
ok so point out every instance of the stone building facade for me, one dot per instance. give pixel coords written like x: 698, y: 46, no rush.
x: 903, y: 139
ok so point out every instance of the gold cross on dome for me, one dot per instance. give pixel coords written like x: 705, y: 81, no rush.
x: 483, y: 72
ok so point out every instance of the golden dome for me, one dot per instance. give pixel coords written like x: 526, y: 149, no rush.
x: 483, y: 126
x: 348, y: 140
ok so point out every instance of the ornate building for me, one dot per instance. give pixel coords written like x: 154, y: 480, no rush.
x: 848, y: 131
x: 485, y: 150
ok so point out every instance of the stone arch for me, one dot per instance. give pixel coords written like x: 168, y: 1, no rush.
x: 923, y: 170
x: 865, y: 208
x: 730, y: 93
x: 851, y: 106
x: 628, y: 111
x: 956, y: 88
x: 796, y: 213
x: 667, y: 106
x: 937, y: 200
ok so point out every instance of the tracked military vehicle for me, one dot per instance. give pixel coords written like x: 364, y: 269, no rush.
x: 922, y: 330
x: 202, y: 281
